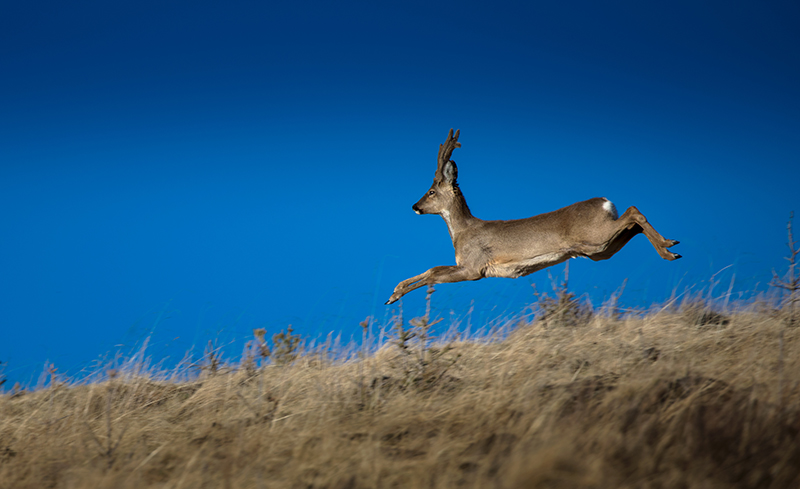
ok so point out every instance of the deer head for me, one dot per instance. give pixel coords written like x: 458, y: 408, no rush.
x: 443, y: 193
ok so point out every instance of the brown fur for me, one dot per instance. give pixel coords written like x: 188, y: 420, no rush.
x: 520, y: 247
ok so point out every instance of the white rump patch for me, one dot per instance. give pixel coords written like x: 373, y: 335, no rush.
x: 609, y: 207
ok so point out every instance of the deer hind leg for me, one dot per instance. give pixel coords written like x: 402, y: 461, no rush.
x: 436, y: 275
x: 631, y: 223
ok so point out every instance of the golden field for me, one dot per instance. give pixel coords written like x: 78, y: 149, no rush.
x: 679, y: 396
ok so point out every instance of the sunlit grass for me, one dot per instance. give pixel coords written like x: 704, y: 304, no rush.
x: 684, y: 395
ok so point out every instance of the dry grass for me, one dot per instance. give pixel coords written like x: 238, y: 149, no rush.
x: 670, y: 399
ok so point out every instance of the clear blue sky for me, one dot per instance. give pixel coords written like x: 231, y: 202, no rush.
x: 200, y: 169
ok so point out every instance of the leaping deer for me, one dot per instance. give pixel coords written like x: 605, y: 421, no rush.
x: 522, y: 246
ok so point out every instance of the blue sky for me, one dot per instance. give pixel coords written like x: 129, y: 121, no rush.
x: 194, y: 170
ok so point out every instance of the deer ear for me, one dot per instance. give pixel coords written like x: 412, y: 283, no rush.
x: 450, y: 171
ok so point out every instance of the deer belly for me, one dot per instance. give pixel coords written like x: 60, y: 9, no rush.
x: 520, y: 268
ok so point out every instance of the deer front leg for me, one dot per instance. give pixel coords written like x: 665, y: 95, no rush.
x: 436, y: 275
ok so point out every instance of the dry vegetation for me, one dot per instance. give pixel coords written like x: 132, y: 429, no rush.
x: 674, y: 398
x: 681, y: 396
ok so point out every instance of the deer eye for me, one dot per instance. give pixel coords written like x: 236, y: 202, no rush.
x: 432, y: 192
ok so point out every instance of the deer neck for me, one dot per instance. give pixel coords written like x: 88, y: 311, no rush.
x: 457, y: 217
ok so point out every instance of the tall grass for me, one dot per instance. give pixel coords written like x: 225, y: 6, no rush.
x: 679, y: 396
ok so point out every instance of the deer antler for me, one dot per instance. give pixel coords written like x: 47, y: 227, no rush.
x: 445, y: 150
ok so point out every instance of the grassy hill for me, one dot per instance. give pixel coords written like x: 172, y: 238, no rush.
x: 681, y: 396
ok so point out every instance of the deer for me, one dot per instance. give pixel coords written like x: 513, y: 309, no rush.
x: 519, y: 247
